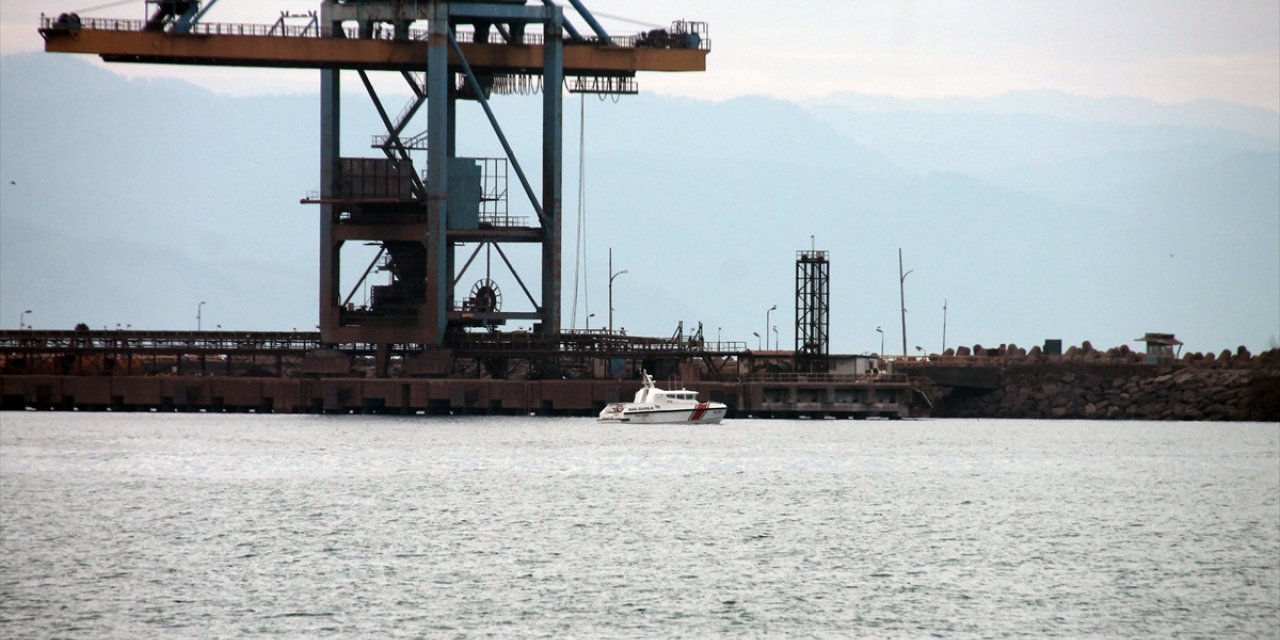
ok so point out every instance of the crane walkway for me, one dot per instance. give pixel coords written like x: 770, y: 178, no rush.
x: 311, y: 46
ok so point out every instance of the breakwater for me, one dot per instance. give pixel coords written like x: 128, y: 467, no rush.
x: 1117, y: 384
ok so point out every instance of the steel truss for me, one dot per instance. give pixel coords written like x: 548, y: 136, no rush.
x: 467, y: 51
x: 813, y: 319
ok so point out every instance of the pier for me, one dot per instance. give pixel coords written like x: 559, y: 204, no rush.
x: 433, y: 334
x: 505, y: 374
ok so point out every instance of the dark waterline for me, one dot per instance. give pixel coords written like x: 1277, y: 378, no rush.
x: 148, y: 525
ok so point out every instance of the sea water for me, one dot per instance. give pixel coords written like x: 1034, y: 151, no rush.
x: 203, y: 525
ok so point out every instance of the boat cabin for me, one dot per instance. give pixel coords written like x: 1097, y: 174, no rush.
x: 649, y: 394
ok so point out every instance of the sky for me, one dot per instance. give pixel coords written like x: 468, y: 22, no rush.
x: 1168, y: 51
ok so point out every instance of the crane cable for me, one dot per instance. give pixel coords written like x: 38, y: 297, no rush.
x: 622, y: 19
x: 107, y: 6
x: 580, y: 243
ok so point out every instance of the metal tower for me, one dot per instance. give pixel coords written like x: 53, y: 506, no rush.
x: 417, y: 215
x: 418, y: 221
x: 813, y: 303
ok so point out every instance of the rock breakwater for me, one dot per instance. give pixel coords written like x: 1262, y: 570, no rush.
x: 1087, y: 384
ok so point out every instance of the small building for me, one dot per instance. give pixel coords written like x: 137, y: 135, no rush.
x: 1053, y: 346
x: 853, y: 365
x: 1162, y: 348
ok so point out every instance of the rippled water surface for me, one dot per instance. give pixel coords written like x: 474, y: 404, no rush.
x: 147, y: 525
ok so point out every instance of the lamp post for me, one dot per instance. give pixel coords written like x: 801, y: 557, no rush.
x: 22, y: 319
x: 718, y: 337
x: 902, y: 299
x: 589, y: 317
x: 766, y: 322
x: 881, y: 332
x: 776, y: 343
x: 944, y: 326
x: 757, y: 335
x: 200, y: 315
x: 612, y: 275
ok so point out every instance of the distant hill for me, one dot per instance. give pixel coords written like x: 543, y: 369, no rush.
x: 1201, y: 114
x: 1035, y: 216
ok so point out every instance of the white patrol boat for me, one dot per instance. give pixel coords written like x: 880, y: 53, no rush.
x: 653, y: 405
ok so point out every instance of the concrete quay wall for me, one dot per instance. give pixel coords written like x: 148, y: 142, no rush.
x: 315, y: 395
x: 858, y: 398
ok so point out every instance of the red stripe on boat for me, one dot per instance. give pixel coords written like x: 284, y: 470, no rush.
x: 700, y: 411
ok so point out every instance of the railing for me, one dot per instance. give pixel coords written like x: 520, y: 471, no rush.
x: 113, y: 340
x: 416, y: 33
x: 416, y: 142
x: 1099, y: 358
x: 828, y: 378
x: 202, y: 28
x: 503, y: 221
x: 49, y: 23
x: 601, y: 342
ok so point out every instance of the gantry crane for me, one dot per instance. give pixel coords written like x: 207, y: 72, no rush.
x: 447, y: 52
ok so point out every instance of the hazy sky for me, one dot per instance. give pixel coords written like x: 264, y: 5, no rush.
x: 1166, y: 50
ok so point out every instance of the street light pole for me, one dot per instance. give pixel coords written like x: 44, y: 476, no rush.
x: 881, y: 332
x: 757, y: 335
x: 200, y: 315
x: 902, y: 299
x: 22, y: 319
x: 766, y: 322
x: 944, y: 326
x: 612, y: 275
x: 776, y: 343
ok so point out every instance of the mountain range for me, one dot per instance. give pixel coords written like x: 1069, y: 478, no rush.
x: 1032, y: 215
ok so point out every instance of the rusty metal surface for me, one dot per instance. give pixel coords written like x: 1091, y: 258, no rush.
x: 482, y: 373
x: 146, y: 343
x: 418, y: 396
x: 384, y: 200
x: 250, y: 45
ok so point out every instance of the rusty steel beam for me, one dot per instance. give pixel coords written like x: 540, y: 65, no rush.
x: 344, y: 53
x: 496, y: 234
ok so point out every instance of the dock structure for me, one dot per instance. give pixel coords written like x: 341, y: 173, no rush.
x: 284, y: 372
x: 746, y: 399
x: 431, y: 335
x: 427, y: 212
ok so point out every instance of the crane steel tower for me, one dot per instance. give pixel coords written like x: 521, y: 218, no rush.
x: 421, y: 218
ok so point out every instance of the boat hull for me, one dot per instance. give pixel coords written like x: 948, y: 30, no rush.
x: 692, y: 415
x: 657, y: 406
